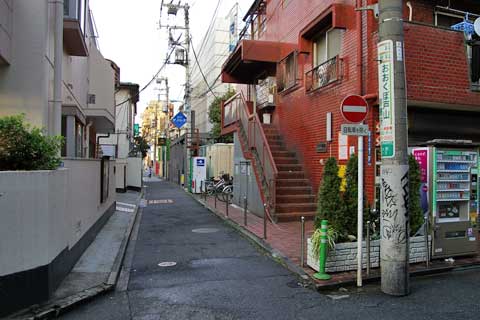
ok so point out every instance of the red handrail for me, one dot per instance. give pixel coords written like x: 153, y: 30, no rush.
x: 256, y: 140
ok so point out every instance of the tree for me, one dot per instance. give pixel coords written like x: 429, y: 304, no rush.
x: 329, y: 201
x: 140, y: 145
x: 215, y: 114
x: 350, y: 198
x: 414, y: 207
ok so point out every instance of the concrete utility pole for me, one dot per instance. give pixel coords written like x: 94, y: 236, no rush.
x: 394, y: 224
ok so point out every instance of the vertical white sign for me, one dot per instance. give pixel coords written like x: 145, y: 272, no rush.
x: 386, y: 98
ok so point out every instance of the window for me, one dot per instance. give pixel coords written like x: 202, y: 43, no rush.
x: 326, y: 64
x: 326, y: 46
x: 287, y: 72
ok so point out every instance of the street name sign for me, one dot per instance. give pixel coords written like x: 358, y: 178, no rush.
x: 354, y: 109
x: 179, y: 120
x: 354, y: 129
x: 386, y: 98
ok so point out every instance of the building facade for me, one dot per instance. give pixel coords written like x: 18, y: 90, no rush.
x: 304, y: 57
x: 214, y: 49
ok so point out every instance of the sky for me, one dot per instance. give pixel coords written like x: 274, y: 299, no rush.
x: 129, y: 34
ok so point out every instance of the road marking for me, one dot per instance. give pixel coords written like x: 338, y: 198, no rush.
x: 126, y: 204
x: 161, y: 201
x: 167, y: 264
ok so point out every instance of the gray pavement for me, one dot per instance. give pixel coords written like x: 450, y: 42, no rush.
x: 94, y: 266
x: 221, y: 275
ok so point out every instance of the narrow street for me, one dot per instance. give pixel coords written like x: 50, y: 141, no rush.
x: 220, y: 275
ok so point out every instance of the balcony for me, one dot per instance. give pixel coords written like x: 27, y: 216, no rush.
x: 73, y: 28
x: 323, y: 74
x: 252, y: 58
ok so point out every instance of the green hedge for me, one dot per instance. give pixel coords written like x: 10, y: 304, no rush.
x: 25, y: 148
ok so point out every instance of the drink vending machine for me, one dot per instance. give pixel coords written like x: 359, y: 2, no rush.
x: 199, y: 173
x: 449, y: 195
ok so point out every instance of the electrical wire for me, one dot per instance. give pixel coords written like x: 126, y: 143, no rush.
x: 150, y: 82
x: 200, y: 69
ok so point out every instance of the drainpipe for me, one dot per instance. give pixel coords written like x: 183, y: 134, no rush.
x: 87, y: 138
x: 359, y: 48
x: 56, y: 127
x: 410, y: 12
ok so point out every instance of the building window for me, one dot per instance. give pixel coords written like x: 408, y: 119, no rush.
x: 326, y: 64
x: 287, y: 72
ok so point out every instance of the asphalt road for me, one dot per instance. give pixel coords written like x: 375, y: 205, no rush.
x: 221, y: 275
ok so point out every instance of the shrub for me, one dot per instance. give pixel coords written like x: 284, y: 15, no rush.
x: 26, y: 148
x: 329, y: 201
x: 414, y: 207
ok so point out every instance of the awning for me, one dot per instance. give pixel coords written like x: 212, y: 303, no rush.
x: 253, y: 58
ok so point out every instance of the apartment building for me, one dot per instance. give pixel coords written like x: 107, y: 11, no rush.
x: 303, y: 57
x: 52, y: 71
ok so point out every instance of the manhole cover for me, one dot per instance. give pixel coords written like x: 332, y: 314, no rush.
x: 205, y: 230
x: 167, y: 264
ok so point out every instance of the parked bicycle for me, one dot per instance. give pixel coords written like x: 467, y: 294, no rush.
x: 222, y: 188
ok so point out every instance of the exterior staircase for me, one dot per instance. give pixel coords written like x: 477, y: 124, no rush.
x: 293, y: 193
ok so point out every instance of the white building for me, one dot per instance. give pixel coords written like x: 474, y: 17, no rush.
x: 213, y: 51
x: 48, y: 218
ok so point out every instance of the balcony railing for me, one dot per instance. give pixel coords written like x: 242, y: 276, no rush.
x: 323, y: 74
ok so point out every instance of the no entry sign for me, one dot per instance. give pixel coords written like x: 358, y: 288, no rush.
x: 354, y: 108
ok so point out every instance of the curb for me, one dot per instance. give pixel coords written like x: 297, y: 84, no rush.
x: 274, y: 254
x: 60, y: 306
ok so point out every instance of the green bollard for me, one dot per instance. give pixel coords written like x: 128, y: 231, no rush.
x: 321, y: 275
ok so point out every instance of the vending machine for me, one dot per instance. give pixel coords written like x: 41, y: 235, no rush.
x: 199, y: 173
x: 449, y: 195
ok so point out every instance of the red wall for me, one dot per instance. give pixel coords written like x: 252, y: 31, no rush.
x: 436, y: 66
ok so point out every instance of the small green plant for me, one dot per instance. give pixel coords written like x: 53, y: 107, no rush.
x: 332, y: 236
x: 26, y: 148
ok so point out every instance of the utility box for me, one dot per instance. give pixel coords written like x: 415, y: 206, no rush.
x: 199, y: 173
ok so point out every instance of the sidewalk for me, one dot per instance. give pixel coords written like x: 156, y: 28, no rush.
x: 97, y: 269
x: 284, y: 240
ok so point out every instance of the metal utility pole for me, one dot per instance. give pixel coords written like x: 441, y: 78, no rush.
x: 155, y: 140
x: 394, y: 215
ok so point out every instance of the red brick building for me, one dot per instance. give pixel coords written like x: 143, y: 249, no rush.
x: 317, y: 52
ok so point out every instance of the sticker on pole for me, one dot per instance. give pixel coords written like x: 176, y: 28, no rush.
x: 354, y: 109
x: 386, y: 98
x: 179, y: 120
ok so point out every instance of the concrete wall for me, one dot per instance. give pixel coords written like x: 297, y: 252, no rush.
x: 344, y: 257
x: 45, y: 212
x: 35, y: 227
x: 83, y: 194
x: 6, y: 22
x: 245, y: 183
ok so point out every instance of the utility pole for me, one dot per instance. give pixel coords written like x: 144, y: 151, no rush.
x: 172, y: 9
x: 155, y: 140
x: 394, y: 214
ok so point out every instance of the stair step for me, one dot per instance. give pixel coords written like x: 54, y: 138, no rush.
x: 295, y: 207
x: 289, y: 167
x: 282, y: 154
x: 291, y: 174
x: 285, y: 160
x: 294, y: 216
x: 293, y: 190
x: 295, y: 198
x: 292, y: 182
x: 275, y: 143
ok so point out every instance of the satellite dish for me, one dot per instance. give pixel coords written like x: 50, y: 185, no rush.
x: 476, y: 26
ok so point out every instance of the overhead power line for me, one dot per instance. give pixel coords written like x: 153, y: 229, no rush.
x: 201, y: 71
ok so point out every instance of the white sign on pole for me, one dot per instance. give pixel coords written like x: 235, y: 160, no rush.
x: 386, y: 98
x: 354, y: 129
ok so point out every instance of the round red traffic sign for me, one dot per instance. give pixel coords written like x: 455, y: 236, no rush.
x: 354, y: 108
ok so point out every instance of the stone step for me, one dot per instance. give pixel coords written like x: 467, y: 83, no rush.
x: 299, y: 190
x: 291, y: 174
x: 295, y: 198
x: 285, y: 160
x: 294, y: 216
x: 292, y: 182
x: 295, y: 207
